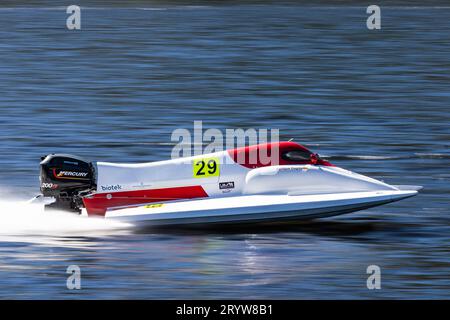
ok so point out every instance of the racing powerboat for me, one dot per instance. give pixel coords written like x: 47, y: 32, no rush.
x: 269, y: 182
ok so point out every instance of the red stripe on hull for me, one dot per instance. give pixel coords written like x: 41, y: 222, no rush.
x: 98, y: 203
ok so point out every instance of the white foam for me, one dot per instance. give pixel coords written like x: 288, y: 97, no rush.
x: 19, y: 218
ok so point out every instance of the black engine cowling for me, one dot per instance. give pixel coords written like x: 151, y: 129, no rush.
x: 66, y: 178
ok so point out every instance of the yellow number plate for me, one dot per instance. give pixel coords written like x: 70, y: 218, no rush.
x: 154, y: 205
x: 206, y: 167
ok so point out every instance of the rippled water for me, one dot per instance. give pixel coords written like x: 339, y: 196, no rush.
x: 375, y: 102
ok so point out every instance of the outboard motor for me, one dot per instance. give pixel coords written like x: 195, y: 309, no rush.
x: 66, y: 178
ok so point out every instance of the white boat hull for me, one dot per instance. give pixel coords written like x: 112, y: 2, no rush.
x: 231, y: 186
x: 256, y: 208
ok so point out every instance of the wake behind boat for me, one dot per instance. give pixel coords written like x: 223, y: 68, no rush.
x: 280, y: 181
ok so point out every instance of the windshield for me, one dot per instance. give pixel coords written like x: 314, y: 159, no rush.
x: 297, y: 155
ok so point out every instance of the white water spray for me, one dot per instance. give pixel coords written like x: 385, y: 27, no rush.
x: 21, y: 218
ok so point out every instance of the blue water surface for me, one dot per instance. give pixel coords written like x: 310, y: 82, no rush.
x: 375, y: 102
